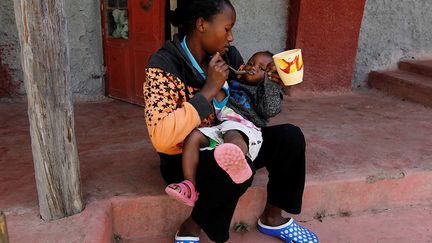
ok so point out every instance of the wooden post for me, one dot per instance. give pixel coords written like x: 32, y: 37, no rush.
x: 4, y: 237
x: 43, y: 35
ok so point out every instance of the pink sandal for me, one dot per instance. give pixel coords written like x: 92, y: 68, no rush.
x: 183, y: 191
x: 232, y: 160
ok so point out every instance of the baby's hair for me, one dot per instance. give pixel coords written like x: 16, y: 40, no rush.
x: 188, y: 11
x: 267, y: 53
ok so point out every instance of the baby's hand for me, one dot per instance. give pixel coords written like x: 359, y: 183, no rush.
x: 273, y: 74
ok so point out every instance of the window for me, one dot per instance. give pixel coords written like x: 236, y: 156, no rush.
x: 117, y: 18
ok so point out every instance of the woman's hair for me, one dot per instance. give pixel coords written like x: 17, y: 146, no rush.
x: 188, y: 11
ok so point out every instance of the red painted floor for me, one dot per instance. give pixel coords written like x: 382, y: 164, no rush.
x: 364, y: 136
x: 377, y: 226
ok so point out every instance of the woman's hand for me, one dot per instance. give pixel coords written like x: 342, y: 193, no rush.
x: 217, y: 74
x: 273, y: 74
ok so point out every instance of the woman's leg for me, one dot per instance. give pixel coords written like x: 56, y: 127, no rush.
x: 217, y: 200
x: 192, y: 144
x: 237, y: 138
x: 218, y: 197
x: 283, y: 154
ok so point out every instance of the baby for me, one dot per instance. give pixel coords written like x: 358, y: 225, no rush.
x: 243, y: 106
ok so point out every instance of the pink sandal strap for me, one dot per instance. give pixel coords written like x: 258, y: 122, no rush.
x: 187, y: 193
x: 183, y: 189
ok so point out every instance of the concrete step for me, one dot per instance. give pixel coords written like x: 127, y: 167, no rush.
x: 156, y: 216
x: 420, y: 67
x: 403, y: 84
x: 408, y: 224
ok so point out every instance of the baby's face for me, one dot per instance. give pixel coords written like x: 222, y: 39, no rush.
x: 256, y: 67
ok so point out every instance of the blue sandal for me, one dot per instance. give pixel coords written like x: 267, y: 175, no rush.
x: 289, y: 232
x: 186, y: 239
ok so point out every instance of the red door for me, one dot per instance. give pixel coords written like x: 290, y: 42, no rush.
x: 132, y: 31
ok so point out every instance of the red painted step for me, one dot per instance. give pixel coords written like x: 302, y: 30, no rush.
x: 408, y: 224
x: 403, y: 84
x: 419, y: 67
x: 137, y: 217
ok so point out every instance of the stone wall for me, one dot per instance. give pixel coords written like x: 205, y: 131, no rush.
x: 10, y: 64
x: 86, y: 53
x: 391, y: 31
x: 261, y: 25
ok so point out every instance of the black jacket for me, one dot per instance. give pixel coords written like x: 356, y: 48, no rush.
x: 172, y: 59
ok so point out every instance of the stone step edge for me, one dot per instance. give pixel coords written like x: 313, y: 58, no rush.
x: 413, y: 87
x: 403, y: 77
x: 416, y: 67
x: 320, y: 226
x: 131, y: 213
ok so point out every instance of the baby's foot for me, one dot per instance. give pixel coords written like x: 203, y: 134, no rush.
x: 183, y: 191
x: 232, y: 160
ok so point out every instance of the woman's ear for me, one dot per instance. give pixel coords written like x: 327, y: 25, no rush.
x: 201, y: 25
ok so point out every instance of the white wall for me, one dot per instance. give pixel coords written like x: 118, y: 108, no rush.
x: 392, y: 30
x: 261, y: 25
x: 85, y: 39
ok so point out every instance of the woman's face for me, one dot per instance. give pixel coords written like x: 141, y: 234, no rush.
x: 217, y: 33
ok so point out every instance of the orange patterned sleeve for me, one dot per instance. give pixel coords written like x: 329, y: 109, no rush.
x: 169, y: 117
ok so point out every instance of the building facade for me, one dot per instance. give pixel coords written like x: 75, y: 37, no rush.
x: 342, y: 40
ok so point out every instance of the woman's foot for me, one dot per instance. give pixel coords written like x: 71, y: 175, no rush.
x: 272, y: 216
x: 189, y: 232
x: 272, y: 223
x: 289, y: 232
x: 185, y: 239
x: 232, y: 160
x: 183, y: 191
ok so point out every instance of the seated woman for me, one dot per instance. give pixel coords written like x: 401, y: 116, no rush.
x: 242, y: 107
x: 178, y: 100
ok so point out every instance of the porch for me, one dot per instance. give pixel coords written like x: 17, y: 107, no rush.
x: 369, y: 167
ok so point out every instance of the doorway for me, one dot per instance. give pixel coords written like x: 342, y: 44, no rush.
x: 132, y: 31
